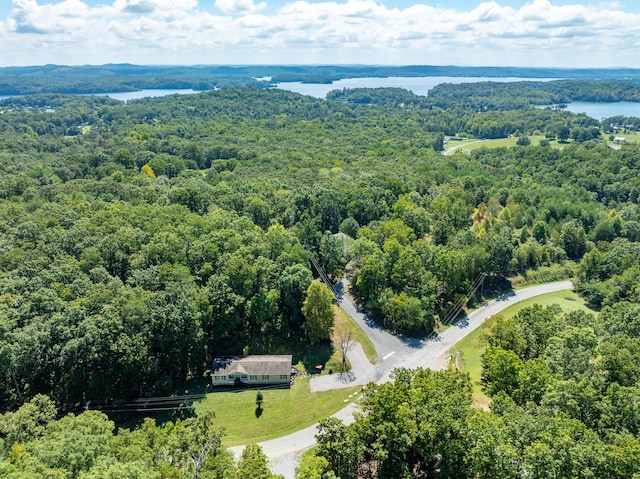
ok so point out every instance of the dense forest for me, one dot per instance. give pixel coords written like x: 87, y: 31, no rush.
x: 140, y: 240
x: 35, y: 444
x: 485, y: 96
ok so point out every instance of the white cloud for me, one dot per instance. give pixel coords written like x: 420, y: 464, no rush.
x: 29, y: 17
x: 166, y: 8
x: 234, y: 7
x: 353, y: 31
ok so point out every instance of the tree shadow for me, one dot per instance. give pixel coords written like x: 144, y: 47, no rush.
x: 312, y: 356
x: 258, y: 412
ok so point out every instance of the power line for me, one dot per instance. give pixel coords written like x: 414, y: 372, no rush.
x: 322, y: 274
x: 462, y: 301
x: 160, y: 404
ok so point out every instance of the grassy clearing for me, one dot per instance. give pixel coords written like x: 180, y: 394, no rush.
x: 470, y: 144
x: 509, y: 142
x: 631, y: 137
x: 474, y: 143
x: 469, y: 351
x: 544, y: 274
x: 283, y: 411
x: 451, y: 146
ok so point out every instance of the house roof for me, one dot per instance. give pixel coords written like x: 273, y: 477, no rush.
x: 257, y: 365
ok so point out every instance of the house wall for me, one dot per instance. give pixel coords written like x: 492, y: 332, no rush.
x: 221, y: 380
x: 269, y: 379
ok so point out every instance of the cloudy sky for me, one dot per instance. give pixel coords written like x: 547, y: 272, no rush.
x: 559, y: 33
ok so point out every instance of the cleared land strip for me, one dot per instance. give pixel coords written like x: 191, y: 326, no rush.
x: 449, y: 151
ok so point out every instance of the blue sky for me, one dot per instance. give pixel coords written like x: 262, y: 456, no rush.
x: 630, y: 6
x: 557, y: 33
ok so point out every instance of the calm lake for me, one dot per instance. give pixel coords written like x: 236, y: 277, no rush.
x: 422, y: 85
x: 605, y: 110
x: 131, y: 95
x: 134, y: 95
x: 418, y: 85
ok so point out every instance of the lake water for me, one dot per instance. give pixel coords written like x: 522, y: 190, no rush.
x: 422, y: 85
x: 605, y: 110
x: 418, y: 85
x: 135, y: 95
x: 132, y: 95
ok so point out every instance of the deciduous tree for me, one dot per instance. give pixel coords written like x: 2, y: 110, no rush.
x: 318, y: 312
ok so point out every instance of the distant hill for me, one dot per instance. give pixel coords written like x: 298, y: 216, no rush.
x: 128, y: 77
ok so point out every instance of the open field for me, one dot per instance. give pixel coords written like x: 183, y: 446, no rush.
x: 469, y: 351
x: 631, y: 137
x: 509, y: 142
x: 474, y: 143
x: 283, y: 410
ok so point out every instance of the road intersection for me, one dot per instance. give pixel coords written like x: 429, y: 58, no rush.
x: 393, y: 352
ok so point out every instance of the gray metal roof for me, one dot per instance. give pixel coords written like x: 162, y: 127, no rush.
x: 258, y: 365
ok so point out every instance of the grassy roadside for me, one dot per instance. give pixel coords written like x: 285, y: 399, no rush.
x: 544, y: 274
x: 342, y: 323
x: 468, y: 352
x: 343, y: 320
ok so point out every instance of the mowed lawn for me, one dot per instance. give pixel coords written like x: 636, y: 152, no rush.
x: 631, y: 137
x: 472, y: 347
x: 283, y: 410
x: 470, y: 144
x: 509, y: 142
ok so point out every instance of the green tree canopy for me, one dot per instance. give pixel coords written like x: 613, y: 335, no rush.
x: 318, y: 312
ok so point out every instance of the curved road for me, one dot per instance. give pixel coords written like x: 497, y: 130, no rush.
x: 395, y: 352
x: 391, y: 350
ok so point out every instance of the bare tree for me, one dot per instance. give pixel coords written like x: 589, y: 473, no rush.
x: 346, y: 342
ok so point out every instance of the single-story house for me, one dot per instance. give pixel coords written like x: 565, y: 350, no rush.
x: 256, y: 370
x: 619, y: 139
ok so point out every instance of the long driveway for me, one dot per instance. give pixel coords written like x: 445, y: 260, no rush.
x: 411, y: 354
x: 449, y: 151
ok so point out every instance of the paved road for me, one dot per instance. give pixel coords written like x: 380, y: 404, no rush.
x: 392, y: 350
x: 431, y: 354
x: 362, y: 372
